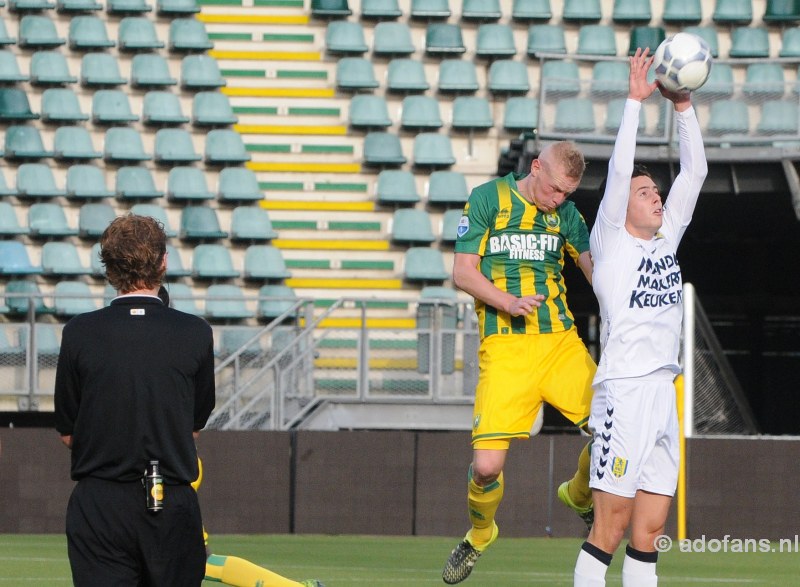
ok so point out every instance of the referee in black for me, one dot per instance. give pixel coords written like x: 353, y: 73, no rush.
x: 134, y: 384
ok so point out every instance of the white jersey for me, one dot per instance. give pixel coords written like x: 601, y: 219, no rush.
x: 638, y: 282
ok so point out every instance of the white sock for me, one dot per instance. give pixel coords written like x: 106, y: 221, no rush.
x: 590, y: 570
x: 639, y: 568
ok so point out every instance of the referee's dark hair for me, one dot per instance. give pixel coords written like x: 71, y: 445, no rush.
x: 132, y: 249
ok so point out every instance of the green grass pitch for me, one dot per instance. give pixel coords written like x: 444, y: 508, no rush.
x: 378, y: 561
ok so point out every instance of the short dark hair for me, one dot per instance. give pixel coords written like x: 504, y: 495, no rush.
x: 132, y: 249
x: 639, y: 170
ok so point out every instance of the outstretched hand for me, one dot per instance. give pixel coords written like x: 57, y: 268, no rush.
x: 682, y: 100
x: 639, y: 88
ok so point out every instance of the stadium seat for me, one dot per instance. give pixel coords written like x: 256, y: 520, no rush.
x: 5, y: 38
x: 345, y: 38
x: 251, y: 224
x: 646, y: 36
x: 124, y: 144
x: 137, y: 33
x: 14, y: 105
x: 450, y: 220
x: 187, y: 183
x: 682, y: 12
x: 200, y: 72
x: 86, y: 182
x: 444, y: 40
x: 728, y: 117
x: 719, y: 83
x: 157, y: 212
x: 457, y: 75
x: 29, y: 5
x: 708, y: 34
x: 226, y: 302
x: 472, y: 113
x: 481, y: 10
x: 135, y: 183
x: 631, y: 12
x: 9, y: 69
x: 35, y: 180
x: 96, y: 267
x: 212, y: 261
x: 238, y: 184
x: 200, y: 223
x: 778, y: 117
x: 406, y: 76
x: 420, y: 112
x: 521, y: 114
x: 411, y: 226
x: 560, y: 79
x: 25, y: 142
x: 447, y: 188
x: 9, y: 225
x: 749, y: 42
x: 508, y: 77
x: 19, y: 305
x: 330, y: 9
x: 111, y: 107
x: 174, y: 146
x: 128, y: 6
x: 175, y: 267
x: 383, y: 149
x: 574, y: 115
x: 495, y: 41
x: 531, y: 11
x: 380, y: 10
x: 38, y: 32
x: 582, y: 11
x: 274, y: 300
x: 225, y: 147
x: 733, y: 12
x: 396, y: 187
x: 355, y: 73
x: 71, y: 298
x: 368, y: 112
x: 88, y: 32
x: 430, y: 9
x: 546, y: 38
x: 188, y: 34
x: 764, y: 81
x: 424, y: 264
x: 60, y: 105
x: 93, y: 219
x: 14, y: 260
x: 69, y: 6
x: 100, y: 69
x: 790, y: 43
x: 597, y: 39
x: 74, y: 142
x: 181, y: 296
x: 150, y: 71
x: 264, y: 262
x: 433, y: 150
x: 176, y: 7
x: 162, y: 109
x: 782, y: 12
x: 212, y: 109
x: 609, y: 78
x: 47, y: 220
x: 47, y: 345
x: 61, y: 259
x: 47, y: 68
x: 391, y: 39
x: 240, y: 339
x: 614, y: 109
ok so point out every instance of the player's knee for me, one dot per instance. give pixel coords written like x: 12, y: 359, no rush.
x: 484, y: 475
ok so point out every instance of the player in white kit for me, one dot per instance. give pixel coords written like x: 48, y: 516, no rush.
x: 638, y: 284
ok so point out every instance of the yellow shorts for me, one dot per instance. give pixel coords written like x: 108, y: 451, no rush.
x: 520, y: 371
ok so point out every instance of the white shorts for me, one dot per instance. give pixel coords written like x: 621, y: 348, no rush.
x: 635, y: 428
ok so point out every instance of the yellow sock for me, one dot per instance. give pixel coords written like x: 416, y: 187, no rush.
x: 579, y: 491
x: 483, y: 502
x: 232, y: 570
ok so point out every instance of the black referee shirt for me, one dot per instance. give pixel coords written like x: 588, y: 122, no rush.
x: 134, y: 380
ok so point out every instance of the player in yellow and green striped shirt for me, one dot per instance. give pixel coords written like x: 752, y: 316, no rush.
x: 513, y: 239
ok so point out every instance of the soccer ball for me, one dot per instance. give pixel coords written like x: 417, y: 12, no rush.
x: 682, y: 62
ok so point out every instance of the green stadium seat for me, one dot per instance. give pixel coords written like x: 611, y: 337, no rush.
x: 5, y: 38
x: 86, y: 182
x: 472, y: 113
x: 444, y: 40
x: 150, y: 71
x: 424, y: 264
x: 14, y: 105
x: 128, y: 6
x: 31, y: 291
x: 61, y: 259
x: 181, y: 297
x: 35, y: 180
x: 74, y: 142
x: 720, y: 83
x: 749, y: 42
x: 430, y: 298
x: 582, y: 11
x: 138, y: 33
x: 135, y: 183
x: 430, y: 9
x: 597, y: 39
x: 48, y: 68
x: 46, y: 220
x: 212, y: 261
x: 157, y: 212
x: 345, y: 38
x: 790, y: 43
x: 682, y: 12
x: 420, y: 112
x: 380, y: 10
x: 71, y: 298
x: 495, y: 41
x: 450, y: 220
x: 391, y: 39
x: 778, y: 117
x: 200, y: 72
x: 560, y: 79
x: 14, y: 260
x: 368, y: 112
x: 646, y: 36
x: 174, y: 146
x: 531, y: 11
x: 521, y: 114
x: 187, y: 183
x: 251, y: 224
x: 406, y: 76
x: 9, y: 69
x: 264, y: 263
x: 355, y: 73
x: 481, y: 10
x: 93, y: 219
x: 9, y: 225
x: 176, y: 7
x: 733, y: 12
x: 631, y: 12
x: 546, y: 38
x: 708, y: 34
x: 100, y: 69
x: 728, y: 117
x: 212, y: 109
x: 508, y: 77
x: 396, y: 187
x: 175, y: 267
x: 124, y: 144
x: 574, y: 115
x: 226, y: 302
x: 782, y: 12
x: 225, y: 147
x: 764, y: 81
x: 411, y: 226
x: 274, y: 300
x: 111, y: 107
x: 96, y: 268
x: 25, y: 142
x: 162, y: 109
x: 38, y: 32
x: 238, y: 184
x: 88, y: 32
x: 69, y: 6
x: 188, y: 34
x: 383, y: 149
x: 47, y: 345
x: 60, y: 105
x: 614, y: 109
x: 29, y: 5
x: 457, y: 75
x: 240, y: 339
x: 330, y: 9
x: 433, y: 150
x: 609, y: 78
x: 447, y: 188
x: 200, y: 223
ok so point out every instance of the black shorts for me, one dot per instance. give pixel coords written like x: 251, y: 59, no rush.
x: 113, y: 541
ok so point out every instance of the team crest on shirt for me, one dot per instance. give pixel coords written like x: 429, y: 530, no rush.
x: 476, y: 421
x: 619, y: 467
x: 552, y: 220
x: 463, y: 226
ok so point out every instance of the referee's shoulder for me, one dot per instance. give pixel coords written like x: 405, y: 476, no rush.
x: 187, y: 320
